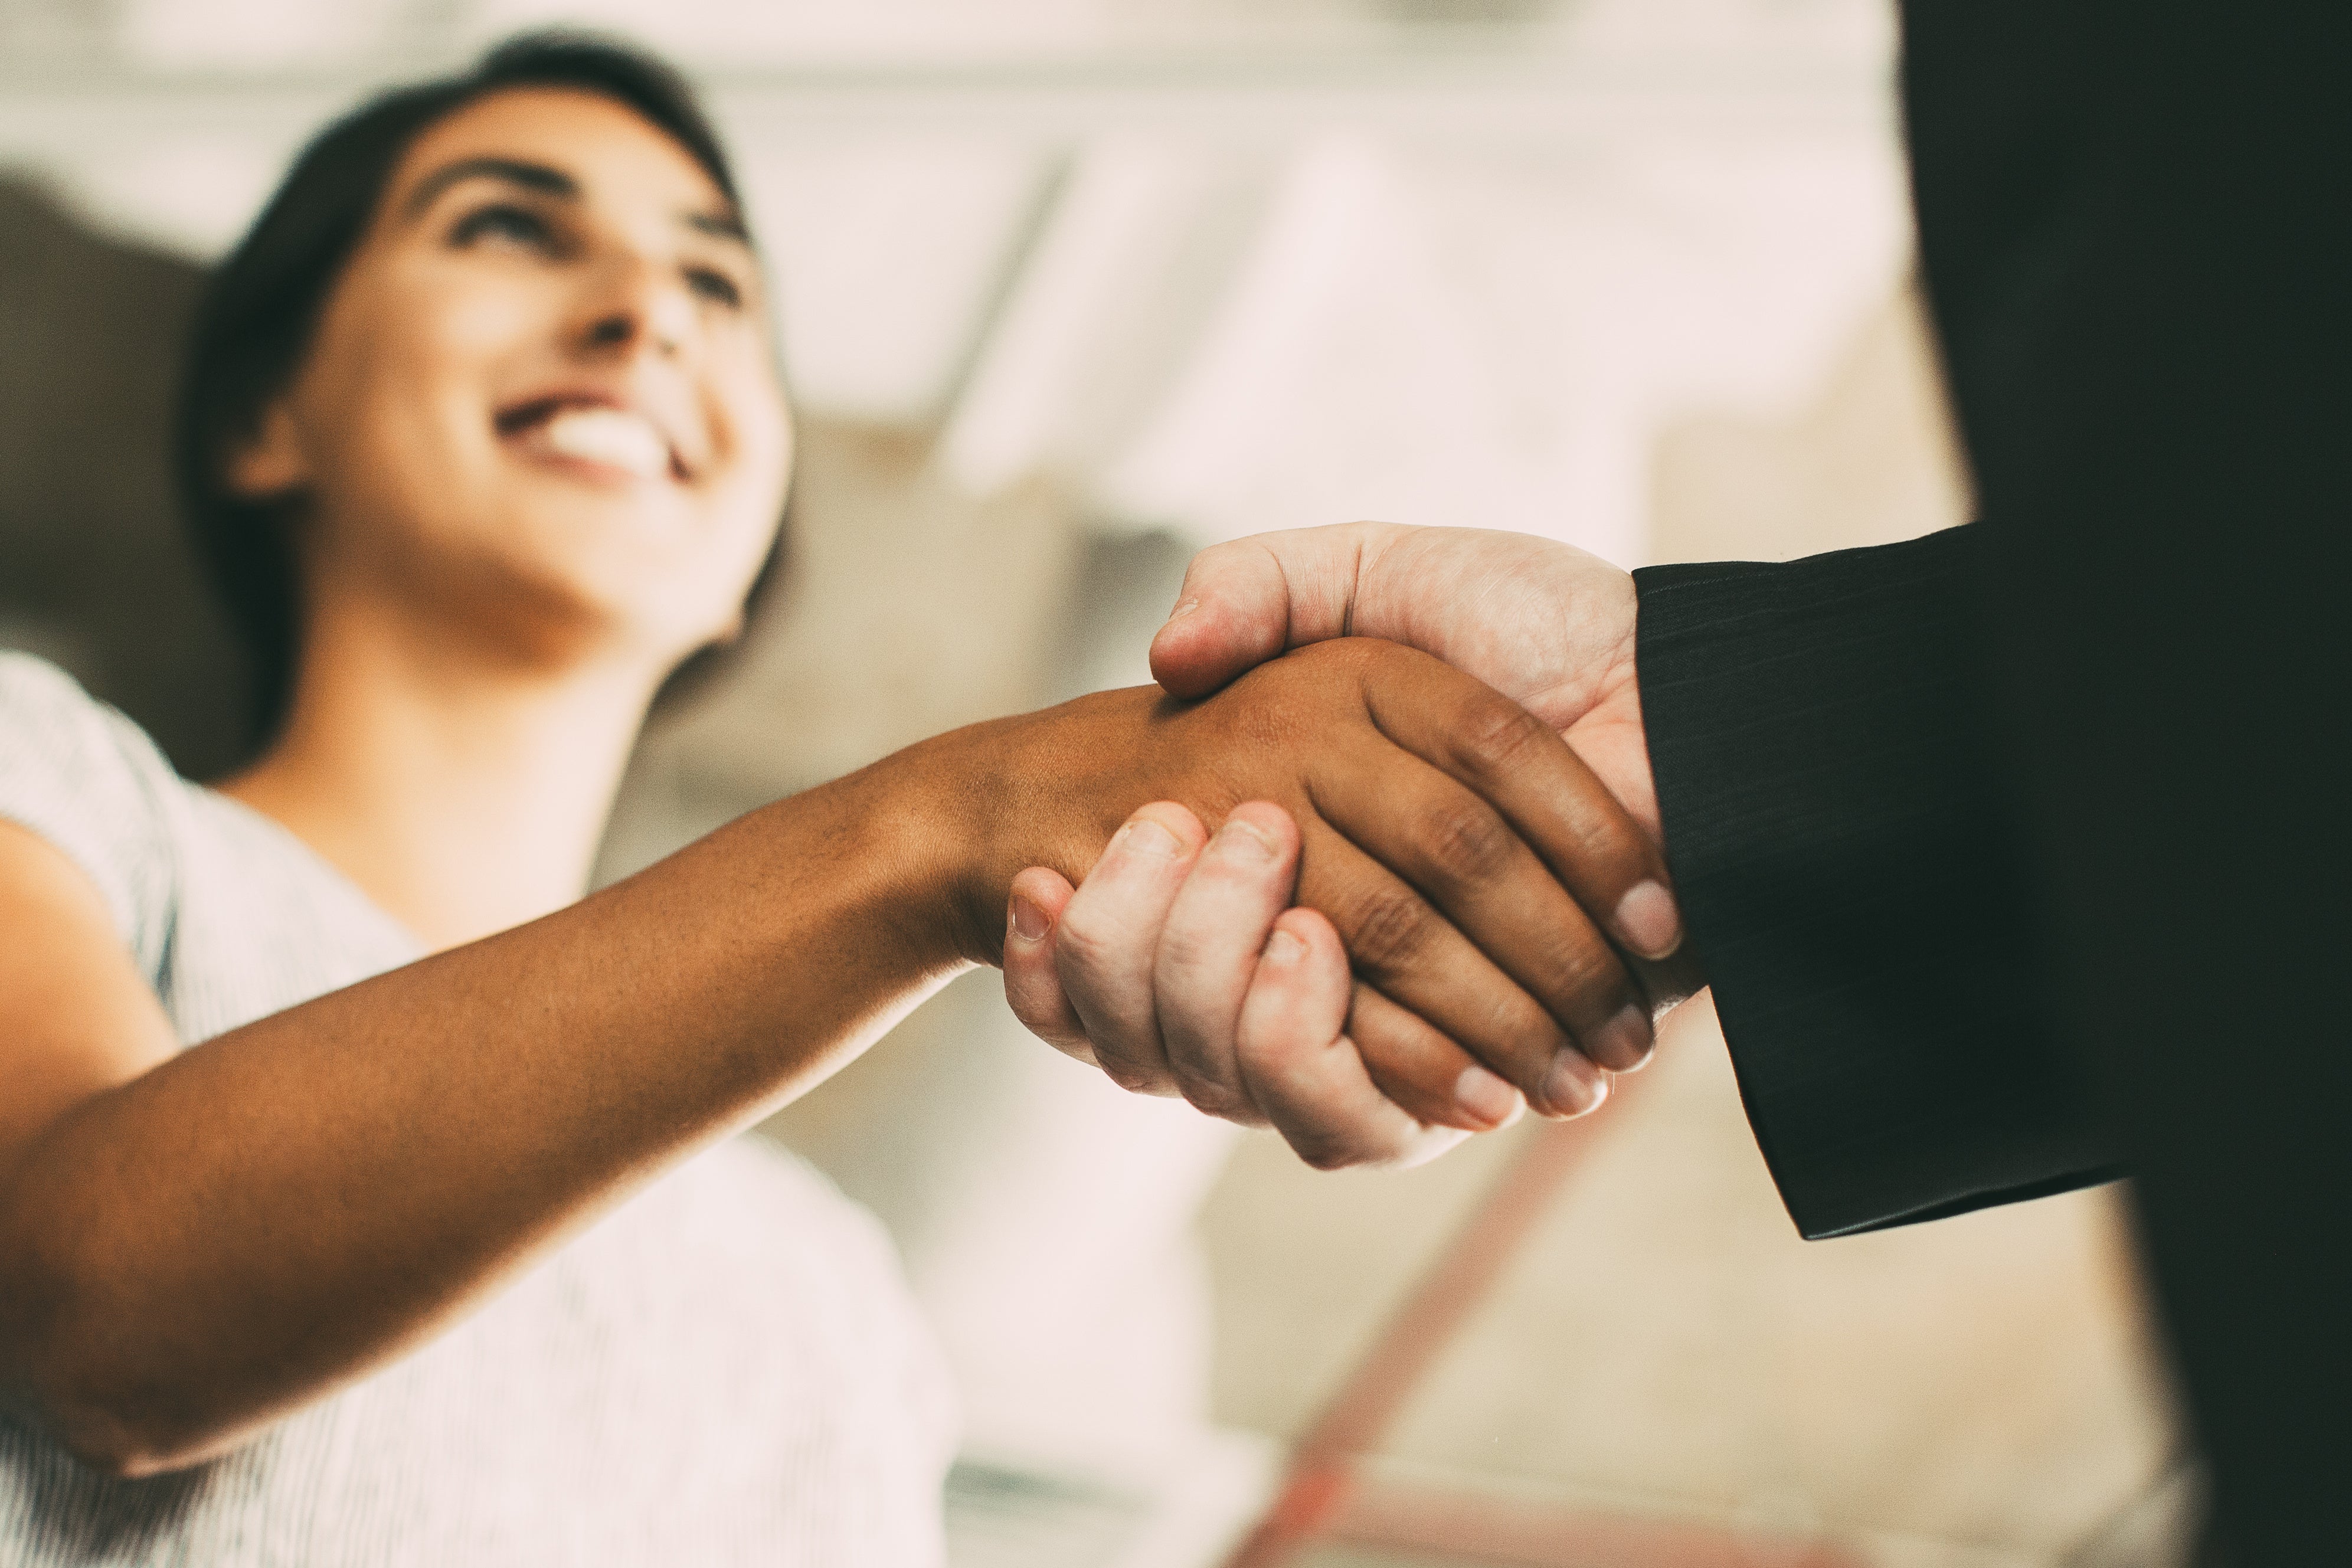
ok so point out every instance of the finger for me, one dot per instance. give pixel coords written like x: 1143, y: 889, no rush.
x: 1107, y: 937
x: 1207, y: 956
x: 1508, y: 756
x: 1302, y: 1070
x: 1428, y: 1076
x: 1401, y: 947
x: 1033, y: 987
x: 1209, y: 947
x: 1472, y: 866
x: 1446, y: 912
x: 1245, y: 602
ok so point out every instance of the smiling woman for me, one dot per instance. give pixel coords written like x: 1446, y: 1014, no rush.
x: 482, y: 170
x: 329, y: 1230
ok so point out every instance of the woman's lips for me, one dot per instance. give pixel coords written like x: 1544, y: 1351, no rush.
x: 598, y: 435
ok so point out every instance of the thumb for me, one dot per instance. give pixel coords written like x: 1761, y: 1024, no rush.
x: 1247, y: 602
x: 1033, y: 986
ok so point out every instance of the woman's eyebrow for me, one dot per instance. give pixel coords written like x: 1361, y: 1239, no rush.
x: 722, y: 224
x: 513, y: 171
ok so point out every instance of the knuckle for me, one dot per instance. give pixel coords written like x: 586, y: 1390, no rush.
x: 1207, y: 562
x: 1517, y: 1030
x: 1499, y: 737
x: 1130, y: 1076
x: 1089, y: 940
x: 1218, y: 558
x: 1586, y: 970
x: 1209, y: 1096
x: 1188, y: 955
x: 1607, y: 844
x: 1325, y: 1153
x: 1389, y: 929
x: 1466, y: 843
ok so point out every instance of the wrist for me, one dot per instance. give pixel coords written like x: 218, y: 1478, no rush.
x: 965, y: 808
x: 1046, y: 788
x: 942, y: 802
x: 896, y: 847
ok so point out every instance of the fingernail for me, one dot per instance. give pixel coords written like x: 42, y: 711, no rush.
x: 1647, y: 921
x: 1183, y: 610
x: 1027, y: 918
x: 1484, y: 1096
x: 1575, y: 1086
x: 1239, y: 842
x: 1146, y: 837
x: 1623, y: 1043
x: 1282, y: 947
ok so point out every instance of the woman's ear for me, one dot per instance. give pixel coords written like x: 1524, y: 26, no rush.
x: 270, y: 461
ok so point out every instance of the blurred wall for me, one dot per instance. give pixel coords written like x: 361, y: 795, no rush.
x: 95, y: 571
x: 1868, y: 459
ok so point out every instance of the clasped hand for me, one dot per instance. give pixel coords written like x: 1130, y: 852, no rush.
x: 1462, y: 905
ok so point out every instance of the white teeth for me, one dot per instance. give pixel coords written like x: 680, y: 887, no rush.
x: 610, y: 436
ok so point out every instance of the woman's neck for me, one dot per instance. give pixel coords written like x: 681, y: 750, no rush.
x: 462, y: 797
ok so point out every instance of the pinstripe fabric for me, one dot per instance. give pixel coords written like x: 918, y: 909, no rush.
x: 727, y: 1369
x: 1838, y: 848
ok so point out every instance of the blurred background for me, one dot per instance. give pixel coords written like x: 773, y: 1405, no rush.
x: 1070, y: 288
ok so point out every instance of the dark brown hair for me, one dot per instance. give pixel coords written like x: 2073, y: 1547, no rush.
x: 261, y: 307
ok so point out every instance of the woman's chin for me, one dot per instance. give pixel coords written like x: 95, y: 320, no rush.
x: 648, y: 577
x: 591, y: 579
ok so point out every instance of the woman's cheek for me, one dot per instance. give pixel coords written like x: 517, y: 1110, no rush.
x: 476, y: 315
x: 752, y: 438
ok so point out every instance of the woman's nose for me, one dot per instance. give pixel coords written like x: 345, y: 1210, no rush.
x: 636, y: 307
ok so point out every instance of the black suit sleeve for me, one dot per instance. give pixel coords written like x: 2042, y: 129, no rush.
x: 1845, y: 868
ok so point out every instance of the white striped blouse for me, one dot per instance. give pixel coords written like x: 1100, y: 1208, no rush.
x: 726, y: 1369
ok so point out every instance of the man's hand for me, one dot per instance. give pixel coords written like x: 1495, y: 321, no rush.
x: 1198, y: 946
x: 1277, y: 1052
x: 1545, y: 624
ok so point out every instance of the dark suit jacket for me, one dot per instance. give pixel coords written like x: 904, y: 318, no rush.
x: 2021, y: 854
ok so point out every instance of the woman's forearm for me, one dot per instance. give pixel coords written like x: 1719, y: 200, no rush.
x: 281, y: 1209
x: 258, y: 1219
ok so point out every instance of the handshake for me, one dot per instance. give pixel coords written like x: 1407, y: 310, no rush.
x: 1443, y: 915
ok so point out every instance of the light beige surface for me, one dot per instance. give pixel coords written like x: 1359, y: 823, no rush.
x: 1869, y: 461
x: 1666, y: 1342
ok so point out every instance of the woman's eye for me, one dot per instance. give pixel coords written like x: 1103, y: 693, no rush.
x: 715, y: 287
x: 517, y: 225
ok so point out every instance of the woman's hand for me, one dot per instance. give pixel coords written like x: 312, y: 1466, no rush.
x: 1451, y: 841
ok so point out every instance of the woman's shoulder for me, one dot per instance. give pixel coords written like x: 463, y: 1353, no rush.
x: 45, y: 711
x: 86, y: 778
